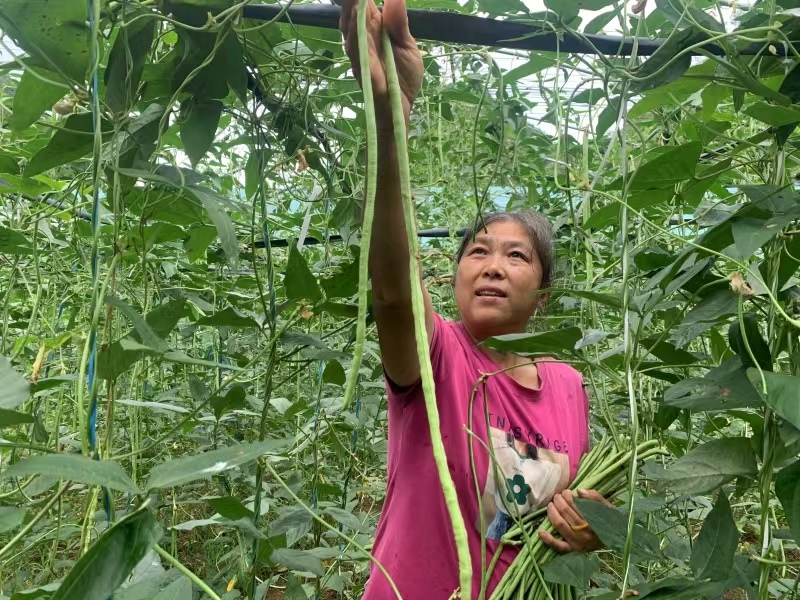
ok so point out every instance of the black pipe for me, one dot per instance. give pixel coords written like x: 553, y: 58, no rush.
x: 439, y: 232
x: 455, y: 28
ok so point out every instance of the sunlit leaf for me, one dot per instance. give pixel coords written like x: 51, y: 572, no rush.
x: 710, y: 465
x: 14, y: 389
x: 33, y: 96
x: 715, y: 546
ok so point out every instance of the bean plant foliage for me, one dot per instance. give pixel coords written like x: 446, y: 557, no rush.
x: 181, y: 191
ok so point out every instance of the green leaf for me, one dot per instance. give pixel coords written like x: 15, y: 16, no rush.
x: 33, y: 96
x: 70, y: 142
x: 75, y: 467
x: 180, y: 589
x: 574, y: 568
x: 126, y: 63
x: 710, y: 310
x: 299, y: 282
x: 148, y: 337
x: 677, y: 164
x: 610, y: 300
x: 298, y: 560
x: 501, y: 7
x: 771, y: 114
x: 334, y: 373
x: 15, y: 388
x: 715, y: 546
x: 9, y: 418
x: 111, y: 559
x: 199, y: 240
x: 752, y: 339
x: 56, y: 33
x: 199, y: 121
x: 723, y: 388
x: 611, y: 526
x: 344, y: 283
x: 662, y: 67
x: 783, y: 393
x: 290, y: 519
x: 11, y: 517
x: 710, y: 465
x: 535, y: 63
x: 14, y: 242
x: 232, y: 400
x: 527, y: 344
x: 188, y: 468
x: 227, y: 317
x: 222, y: 221
x: 347, y: 519
x: 230, y: 508
x: 787, y: 488
x: 591, y: 96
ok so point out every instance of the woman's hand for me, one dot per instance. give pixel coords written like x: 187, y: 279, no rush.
x: 569, y: 522
x: 394, y: 20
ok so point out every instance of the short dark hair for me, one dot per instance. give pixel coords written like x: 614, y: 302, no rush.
x: 535, y: 224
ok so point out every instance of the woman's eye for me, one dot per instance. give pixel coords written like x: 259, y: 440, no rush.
x: 517, y: 255
x: 478, y: 251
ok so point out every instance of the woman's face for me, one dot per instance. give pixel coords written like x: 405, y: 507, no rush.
x: 496, y: 280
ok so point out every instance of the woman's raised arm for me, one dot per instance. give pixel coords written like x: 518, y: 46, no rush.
x: 388, y: 258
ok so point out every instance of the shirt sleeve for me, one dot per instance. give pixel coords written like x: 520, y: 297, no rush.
x: 443, y: 336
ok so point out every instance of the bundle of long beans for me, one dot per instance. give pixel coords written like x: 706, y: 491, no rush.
x: 604, y: 469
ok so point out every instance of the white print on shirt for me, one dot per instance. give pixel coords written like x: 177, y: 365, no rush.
x: 522, y: 477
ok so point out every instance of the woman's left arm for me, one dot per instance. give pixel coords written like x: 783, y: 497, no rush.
x: 569, y: 522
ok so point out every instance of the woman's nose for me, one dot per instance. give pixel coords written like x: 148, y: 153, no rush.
x: 492, y: 267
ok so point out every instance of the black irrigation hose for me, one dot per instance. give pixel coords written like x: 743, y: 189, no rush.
x: 455, y: 28
x: 439, y: 232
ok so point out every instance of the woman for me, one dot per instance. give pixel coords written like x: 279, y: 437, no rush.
x: 534, y: 415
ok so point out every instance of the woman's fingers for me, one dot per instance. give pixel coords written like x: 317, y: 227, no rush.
x: 555, y: 544
x: 395, y: 21
x: 566, y: 506
x: 560, y: 523
x: 593, y: 495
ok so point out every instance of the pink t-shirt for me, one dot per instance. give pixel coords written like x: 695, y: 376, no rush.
x: 538, y: 437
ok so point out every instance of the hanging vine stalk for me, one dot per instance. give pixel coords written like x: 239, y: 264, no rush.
x: 370, y: 187
x: 418, y: 308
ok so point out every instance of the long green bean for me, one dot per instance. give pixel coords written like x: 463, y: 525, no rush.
x: 370, y: 187
x: 418, y: 308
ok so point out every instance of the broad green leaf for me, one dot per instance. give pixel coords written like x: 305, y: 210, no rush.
x: 723, y: 388
x: 75, y: 467
x: 591, y: 96
x: 163, y: 318
x: 787, y: 488
x: 229, y: 507
x: 610, y: 300
x: 73, y: 140
x: 535, y: 63
x: 111, y: 559
x: 347, y: 519
x: 227, y: 317
x: 199, y: 240
x: 188, y: 468
x: 148, y: 337
x: 9, y: 418
x: 710, y: 465
x: 56, y: 33
x: 568, y: 9
x: 14, y: 242
x: 574, y: 568
x: 344, y: 283
x: 334, y: 373
x: 222, y: 221
x: 126, y: 63
x: 611, y: 526
x: 750, y: 342
x: 526, y: 344
x: 501, y: 7
x: 199, y: 120
x: 14, y: 389
x: 298, y: 560
x: 710, y: 310
x: 180, y: 589
x: 299, y: 282
x: 771, y: 114
x: 668, y: 168
x: 715, y: 546
x: 33, y: 96
x: 232, y: 400
x: 290, y: 519
x: 783, y: 393
x: 11, y: 517
x: 663, y: 67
